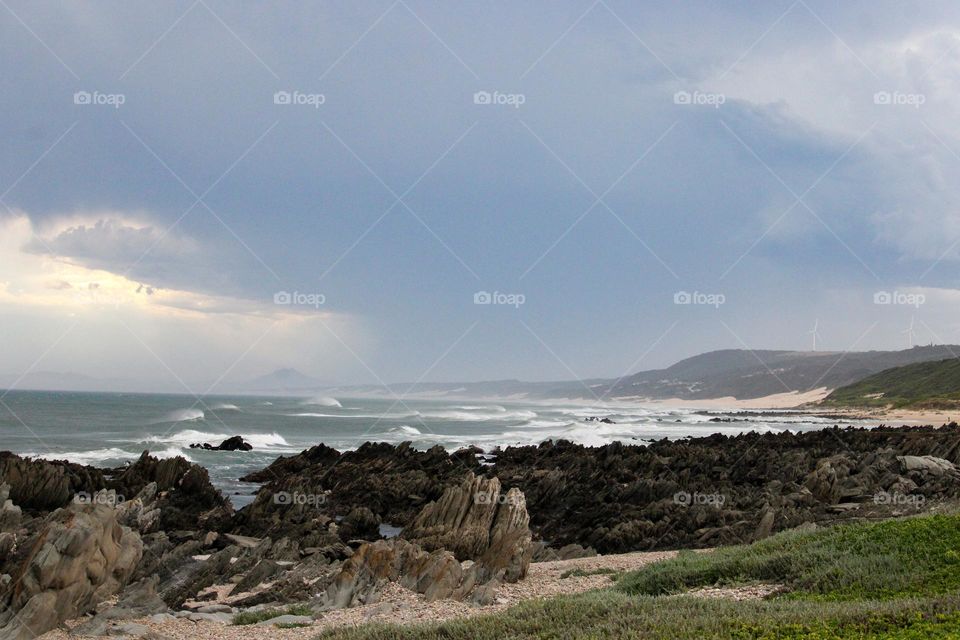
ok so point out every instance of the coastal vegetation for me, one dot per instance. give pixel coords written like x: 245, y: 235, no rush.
x: 922, y: 385
x: 892, y: 579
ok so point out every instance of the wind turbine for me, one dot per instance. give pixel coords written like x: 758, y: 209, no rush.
x: 814, y: 333
x: 910, y: 333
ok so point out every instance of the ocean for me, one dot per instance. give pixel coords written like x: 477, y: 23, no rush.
x: 110, y: 429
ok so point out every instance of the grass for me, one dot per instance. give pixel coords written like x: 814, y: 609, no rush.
x: 894, y: 579
x: 253, y: 617
x: 924, y: 385
x: 883, y: 560
x: 580, y: 573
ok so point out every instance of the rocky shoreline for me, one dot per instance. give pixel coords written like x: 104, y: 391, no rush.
x: 155, y: 538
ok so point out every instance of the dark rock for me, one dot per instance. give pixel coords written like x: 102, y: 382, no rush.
x: 40, y: 486
x: 303, y: 493
x: 360, y: 523
x: 233, y: 443
x: 185, y: 497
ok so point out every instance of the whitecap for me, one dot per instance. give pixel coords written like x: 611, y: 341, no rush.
x: 225, y: 407
x: 95, y: 457
x: 406, y: 430
x: 323, y: 401
x: 382, y: 416
x: 266, y: 440
x: 469, y: 416
x: 184, y: 415
x: 191, y: 436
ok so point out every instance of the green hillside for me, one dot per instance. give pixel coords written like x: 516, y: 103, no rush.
x: 923, y: 385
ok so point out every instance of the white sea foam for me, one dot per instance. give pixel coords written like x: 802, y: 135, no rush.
x: 380, y: 416
x: 184, y: 415
x: 406, y: 430
x: 225, y: 407
x: 323, y: 401
x: 480, y: 416
x: 191, y: 436
x: 97, y: 457
x: 266, y: 440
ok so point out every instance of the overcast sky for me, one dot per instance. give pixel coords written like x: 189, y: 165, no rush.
x: 170, y: 169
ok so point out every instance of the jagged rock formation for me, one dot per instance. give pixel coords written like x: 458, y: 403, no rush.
x: 393, y: 482
x: 43, y: 485
x: 475, y: 521
x: 181, y: 491
x: 436, y: 575
x: 726, y: 489
x: 668, y: 494
x: 139, y: 600
x: 474, y: 535
x: 77, y: 558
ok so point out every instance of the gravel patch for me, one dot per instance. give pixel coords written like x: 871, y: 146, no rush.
x: 401, y: 606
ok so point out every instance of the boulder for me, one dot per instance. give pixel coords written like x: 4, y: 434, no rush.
x: 925, y: 464
x: 79, y: 557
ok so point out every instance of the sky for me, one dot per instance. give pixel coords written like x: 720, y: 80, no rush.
x: 193, y: 194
